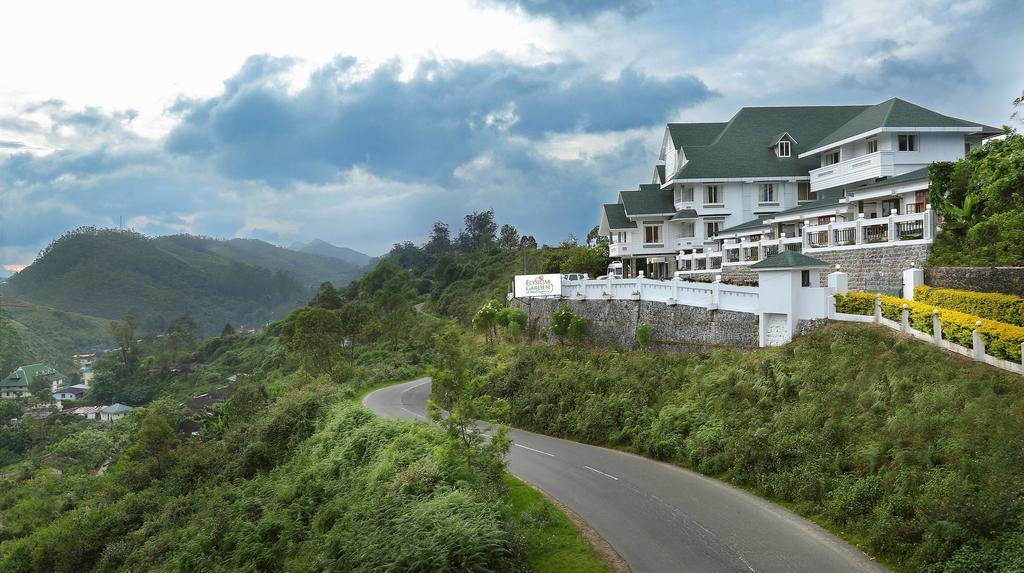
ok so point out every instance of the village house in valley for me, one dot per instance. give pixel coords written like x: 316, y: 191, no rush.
x: 835, y: 182
x: 17, y: 384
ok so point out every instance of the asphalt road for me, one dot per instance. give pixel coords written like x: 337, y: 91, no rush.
x: 658, y: 517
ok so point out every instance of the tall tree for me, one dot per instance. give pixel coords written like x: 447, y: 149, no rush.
x: 508, y: 238
x: 124, y: 333
x: 440, y: 241
x: 478, y: 232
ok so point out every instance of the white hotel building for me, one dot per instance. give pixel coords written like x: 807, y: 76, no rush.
x: 812, y: 179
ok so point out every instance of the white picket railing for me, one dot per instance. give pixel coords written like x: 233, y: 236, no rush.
x: 714, y: 295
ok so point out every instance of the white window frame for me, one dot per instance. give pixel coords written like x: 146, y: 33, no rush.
x: 826, y: 158
x: 687, y: 230
x: 784, y: 148
x: 717, y: 191
x: 658, y: 231
x: 686, y: 194
x: 771, y: 198
x: 912, y: 142
x: 873, y: 143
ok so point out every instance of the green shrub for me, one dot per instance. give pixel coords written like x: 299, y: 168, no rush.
x: 577, y: 328
x: 993, y: 306
x: 644, y: 336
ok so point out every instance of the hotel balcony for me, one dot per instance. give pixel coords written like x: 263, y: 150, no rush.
x: 870, y: 166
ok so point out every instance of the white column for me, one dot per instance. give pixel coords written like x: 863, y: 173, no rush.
x: 838, y: 281
x: 860, y: 234
x: 978, y: 352
x: 905, y: 319
x: 936, y: 327
x: 912, y: 278
x: 892, y: 226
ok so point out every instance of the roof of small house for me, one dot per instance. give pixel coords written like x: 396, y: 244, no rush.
x: 789, y: 260
x: 895, y: 112
x: 116, y: 409
x: 70, y: 390
x: 23, y: 375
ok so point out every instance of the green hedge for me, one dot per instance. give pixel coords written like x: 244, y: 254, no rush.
x: 994, y: 306
x: 1001, y: 340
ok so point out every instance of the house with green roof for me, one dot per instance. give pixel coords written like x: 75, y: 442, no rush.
x: 17, y: 383
x: 800, y: 178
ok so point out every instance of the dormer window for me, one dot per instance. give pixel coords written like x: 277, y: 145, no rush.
x: 783, y: 148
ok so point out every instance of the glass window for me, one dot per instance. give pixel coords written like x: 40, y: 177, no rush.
x: 711, y: 228
x: 872, y: 145
x: 686, y: 194
x: 686, y: 229
x: 712, y: 195
x: 908, y: 143
x: 803, y: 191
x: 767, y: 193
x: 805, y: 278
x: 784, y: 148
x: 831, y: 157
x: 652, y: 234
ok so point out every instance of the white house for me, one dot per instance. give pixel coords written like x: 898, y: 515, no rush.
x: 803, y: 178
x: 17, y: 383
x: 70, y: 393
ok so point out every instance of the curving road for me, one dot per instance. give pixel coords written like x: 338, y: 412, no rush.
x: 658, y: 517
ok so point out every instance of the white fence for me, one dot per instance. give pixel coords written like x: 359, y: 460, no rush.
x: 713, y: 296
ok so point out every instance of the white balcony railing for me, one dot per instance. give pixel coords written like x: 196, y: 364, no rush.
x: 877, y: 164
x: 895, y: 229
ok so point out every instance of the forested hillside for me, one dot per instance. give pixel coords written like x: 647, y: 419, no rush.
x: 52, y: 335
x: 289, y: 473
x: 113, y: 274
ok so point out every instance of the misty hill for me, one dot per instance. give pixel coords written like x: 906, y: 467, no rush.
x: 323, y: 248
x: 308, y: 268
x: 110, y: 274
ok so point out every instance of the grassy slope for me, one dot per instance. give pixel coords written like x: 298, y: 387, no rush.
x: 913, y: 453
x: 55, y: 334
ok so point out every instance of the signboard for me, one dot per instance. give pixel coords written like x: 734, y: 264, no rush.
x: 538, y: 285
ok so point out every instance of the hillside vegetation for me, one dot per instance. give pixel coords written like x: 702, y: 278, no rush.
x: 55, y: 335
x: 981, y: 200
x: 289, y: 474
x: 323, y: 248
x: 914, y: 453
x: 111, y: 274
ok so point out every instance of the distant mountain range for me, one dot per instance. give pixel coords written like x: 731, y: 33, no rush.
x: 323, y: 248
x: 110, y: 274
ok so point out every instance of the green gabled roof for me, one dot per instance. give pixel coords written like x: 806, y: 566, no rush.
x: 753, y: 224
x: 694, y: 133
x: 116, y: 409
x: 660, y: 169
x: 789, y: 260
x: 896, y: 112
x: 649, y: 200
x: 615, y: 213
x: 23, y: 375
x: 741, y: 149
x: 921, y: 173
x: 684, y: 215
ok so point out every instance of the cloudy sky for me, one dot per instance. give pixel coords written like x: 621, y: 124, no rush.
x: 364, y: 124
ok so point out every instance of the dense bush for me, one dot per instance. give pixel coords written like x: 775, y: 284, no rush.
x: 991, y: 305
x: 1001, y: 340
x: 894, y: 442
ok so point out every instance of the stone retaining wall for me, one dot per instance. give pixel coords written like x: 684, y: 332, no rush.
x: 871, y: 269
x: 612, y: 323
x: 1009, y: 280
